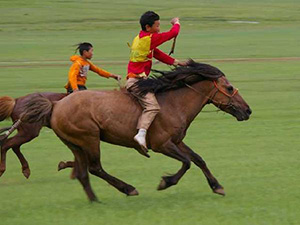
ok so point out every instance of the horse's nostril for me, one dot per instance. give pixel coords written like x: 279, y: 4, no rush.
x: 249, y: 111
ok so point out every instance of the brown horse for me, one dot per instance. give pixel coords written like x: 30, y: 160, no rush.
x: 82, y: 119
x: 10, y: 107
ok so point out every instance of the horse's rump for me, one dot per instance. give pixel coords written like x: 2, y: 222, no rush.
x: 103, y: 109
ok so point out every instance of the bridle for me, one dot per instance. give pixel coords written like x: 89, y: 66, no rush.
x: 230, y: 96
x: 211, y: 99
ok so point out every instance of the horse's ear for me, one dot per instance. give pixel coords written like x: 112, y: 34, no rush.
x: 191, y: 62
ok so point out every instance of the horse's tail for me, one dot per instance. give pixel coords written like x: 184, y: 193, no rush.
x: 7, y: 105
x: 37, y: 109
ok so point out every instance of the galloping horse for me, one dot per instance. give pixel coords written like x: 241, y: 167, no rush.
x: 10, y: 107
x: 82, y: 119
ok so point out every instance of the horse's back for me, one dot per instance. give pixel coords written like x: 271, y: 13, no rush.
x: 106, y: 100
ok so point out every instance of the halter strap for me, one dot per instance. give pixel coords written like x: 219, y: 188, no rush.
x: 223, y: 92
x: 211, y: 99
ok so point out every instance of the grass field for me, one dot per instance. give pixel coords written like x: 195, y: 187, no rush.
x: 256, y: 161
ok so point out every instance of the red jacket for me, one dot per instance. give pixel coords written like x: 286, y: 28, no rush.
x: 156, y: 40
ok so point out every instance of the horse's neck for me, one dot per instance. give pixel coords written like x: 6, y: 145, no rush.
x: 188, y: 102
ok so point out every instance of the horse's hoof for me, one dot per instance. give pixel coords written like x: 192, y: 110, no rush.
x: 61, y: 165
x: 144, y: 151
x: 219, y: 191
x: 94, y: 200
x: 133, y: 193
x: 162, y: 185
x: 26, y: 172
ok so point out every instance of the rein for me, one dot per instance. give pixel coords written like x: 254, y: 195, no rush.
x: 173, y: 46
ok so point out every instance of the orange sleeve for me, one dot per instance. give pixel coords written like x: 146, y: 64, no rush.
x: 100, y: 71
x: 73, y: 73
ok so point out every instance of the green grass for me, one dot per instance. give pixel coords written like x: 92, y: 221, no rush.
x: 256, y: 161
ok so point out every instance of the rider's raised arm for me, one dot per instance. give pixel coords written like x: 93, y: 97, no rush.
x: 159, y: 38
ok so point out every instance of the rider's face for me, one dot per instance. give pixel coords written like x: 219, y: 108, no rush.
x: 155, y: 28
x: 88, y: 54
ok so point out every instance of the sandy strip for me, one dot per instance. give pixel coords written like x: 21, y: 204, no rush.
x: 58, y: 63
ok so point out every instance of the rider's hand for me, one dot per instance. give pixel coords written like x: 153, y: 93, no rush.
x: 182, y: 63
x: 75, y: 90
x: 175, y: 20
x: 117, y: 77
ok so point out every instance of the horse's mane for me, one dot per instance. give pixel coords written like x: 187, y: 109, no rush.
x: 178, y: 77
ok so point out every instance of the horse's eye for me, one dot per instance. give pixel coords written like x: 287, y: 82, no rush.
x: 230, y: 89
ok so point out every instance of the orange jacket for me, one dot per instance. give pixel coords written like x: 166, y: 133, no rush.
x: 78, y: 72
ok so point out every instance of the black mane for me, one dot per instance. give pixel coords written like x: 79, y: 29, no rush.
x: 163, y: 81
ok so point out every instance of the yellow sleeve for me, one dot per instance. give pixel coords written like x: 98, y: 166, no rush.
x: 73, y: 73
x: 100, y: 71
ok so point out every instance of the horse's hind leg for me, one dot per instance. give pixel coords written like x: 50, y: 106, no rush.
x: 171, y: 150
x: 212, y: 181
x: 3, y: 161
x: 81, y: 173
x: 63, y: 165
x: 23, y: 161
x: 3, y: 137
x: 14, y: 144
x: 68, y: 164
x: 26, y: 132
x: 92, y: 150
x: 81, y: 169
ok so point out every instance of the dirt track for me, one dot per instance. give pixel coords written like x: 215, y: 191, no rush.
x: 57, y: 63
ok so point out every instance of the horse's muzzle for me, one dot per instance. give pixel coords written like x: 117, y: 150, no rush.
x: 241, y: 114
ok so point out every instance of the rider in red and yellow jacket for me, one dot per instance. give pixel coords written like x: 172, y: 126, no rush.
x: 143, y: 49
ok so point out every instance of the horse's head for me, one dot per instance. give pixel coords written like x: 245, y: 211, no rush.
x: 227, y: 98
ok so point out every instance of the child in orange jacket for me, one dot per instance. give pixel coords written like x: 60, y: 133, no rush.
x: 78, y: 71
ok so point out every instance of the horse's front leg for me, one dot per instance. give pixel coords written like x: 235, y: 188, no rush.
x: 171, y: 150
x: 212, y: 181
